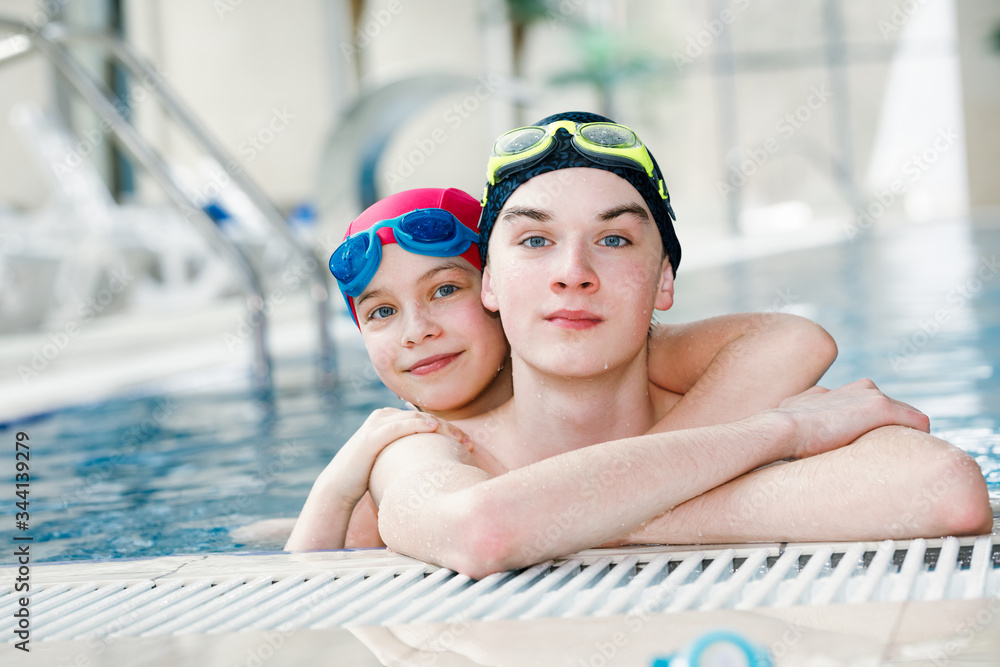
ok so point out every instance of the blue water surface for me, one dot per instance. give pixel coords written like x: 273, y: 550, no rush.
x: 917, y: 311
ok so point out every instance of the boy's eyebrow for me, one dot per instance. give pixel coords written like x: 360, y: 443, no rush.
x: 625, y: 209
x: 536, y: 214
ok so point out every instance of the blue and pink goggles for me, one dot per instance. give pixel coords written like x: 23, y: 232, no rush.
x: 433, y: 232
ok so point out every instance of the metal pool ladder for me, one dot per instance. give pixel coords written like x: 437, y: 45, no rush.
x: 51, y: 40
x: 227, y: 592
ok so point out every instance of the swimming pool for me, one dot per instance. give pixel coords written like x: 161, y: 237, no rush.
x: 917, y: 311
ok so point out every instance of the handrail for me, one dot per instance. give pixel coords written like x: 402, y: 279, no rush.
x: 50, y: 40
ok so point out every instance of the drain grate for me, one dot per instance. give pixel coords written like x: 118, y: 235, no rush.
x: 595, y: 583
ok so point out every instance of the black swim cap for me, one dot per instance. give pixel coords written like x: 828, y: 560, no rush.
x: 565, y: 156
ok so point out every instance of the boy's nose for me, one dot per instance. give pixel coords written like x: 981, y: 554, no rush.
x: 574, y: 271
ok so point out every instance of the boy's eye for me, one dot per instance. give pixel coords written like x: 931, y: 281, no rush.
x: 445, y: 290
x: 614, y: 241
x: 535, y: 242
x: 382, y: 312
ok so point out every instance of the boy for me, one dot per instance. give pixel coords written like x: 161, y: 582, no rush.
x: 580, y: 256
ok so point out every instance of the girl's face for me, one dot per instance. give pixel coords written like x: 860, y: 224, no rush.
x: 428, y: 335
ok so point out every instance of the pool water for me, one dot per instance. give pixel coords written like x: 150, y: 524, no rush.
x: 918, y: 312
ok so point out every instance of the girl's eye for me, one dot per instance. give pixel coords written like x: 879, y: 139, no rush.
x: 382, y: 312
x: 445, y: 290
x: 614, y: 241
x: 536, y: 242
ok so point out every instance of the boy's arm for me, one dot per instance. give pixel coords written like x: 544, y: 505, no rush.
x: 729, y: 367
x: 891, y: 483
x: 435, y: 505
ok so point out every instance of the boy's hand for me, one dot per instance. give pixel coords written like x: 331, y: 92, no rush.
x: 826, y: 420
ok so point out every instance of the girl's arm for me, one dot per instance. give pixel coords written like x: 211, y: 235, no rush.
x: 730, y: 367
x: 327, y: 513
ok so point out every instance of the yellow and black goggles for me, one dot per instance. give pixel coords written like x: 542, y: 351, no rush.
x: 605, y: 143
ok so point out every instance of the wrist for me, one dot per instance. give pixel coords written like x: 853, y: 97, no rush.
x: 330, y: 484
x: 780, y: 433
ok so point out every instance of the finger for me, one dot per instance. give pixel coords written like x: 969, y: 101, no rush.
x: 452, y: 431
x: 910, y: 416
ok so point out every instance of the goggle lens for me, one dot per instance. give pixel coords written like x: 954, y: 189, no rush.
x: 428, y: 228
x: 609, y: 136
x: 518, y: 141
x: 349, y: 258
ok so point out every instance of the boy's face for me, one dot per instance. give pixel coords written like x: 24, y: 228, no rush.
x: 430, y: 339
x: 576, y: 269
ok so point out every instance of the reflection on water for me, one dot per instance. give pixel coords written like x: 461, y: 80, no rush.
x: 919, y: 313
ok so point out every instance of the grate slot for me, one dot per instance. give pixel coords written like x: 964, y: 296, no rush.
x: 277, y: 604
x: 847, y: 565
x: 805, y: 578
x: 620, y: 598
x: 748, y: 567
x: 178, y: 603
x: 943, y: 568
x: 399, y: 583
x: 562, y: 598
x: 101, y: 624
x: 404, y: 597
x: 979, y: 567
x: 912, y: 566
x: 602, y: 587
x: 874, y: 575
x: 690, y: 594
x: 660, y: 595
x: 533, y: 596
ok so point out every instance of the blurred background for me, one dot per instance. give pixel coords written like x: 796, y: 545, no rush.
x: 778, y: 125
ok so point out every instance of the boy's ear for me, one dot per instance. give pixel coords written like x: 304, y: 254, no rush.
x: 488, y: 297
x: 665, y: 294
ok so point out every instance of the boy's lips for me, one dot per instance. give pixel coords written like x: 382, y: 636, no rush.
x: 433, y: 363
x: 574, y: 319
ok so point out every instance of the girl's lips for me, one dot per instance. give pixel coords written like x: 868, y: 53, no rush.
x: 574, y: 319
x: 432, y: 364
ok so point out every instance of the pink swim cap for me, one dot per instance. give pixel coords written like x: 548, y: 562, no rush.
x: 463, y: 206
